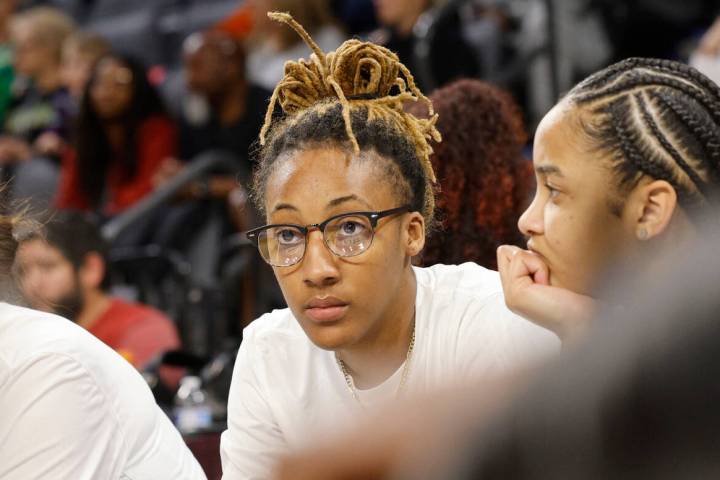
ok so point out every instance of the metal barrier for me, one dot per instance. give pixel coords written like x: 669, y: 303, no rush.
x: 197, y: 169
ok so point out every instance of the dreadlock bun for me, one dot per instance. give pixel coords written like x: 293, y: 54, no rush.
x: 358, y: 75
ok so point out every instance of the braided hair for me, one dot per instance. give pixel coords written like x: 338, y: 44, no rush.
x: 352, y: 97
x: 658, y: 118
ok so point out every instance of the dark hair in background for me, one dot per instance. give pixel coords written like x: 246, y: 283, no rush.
x: 75, y: 235
x: 484, y: 180
x: 94, y: 153
x: 658, y: 118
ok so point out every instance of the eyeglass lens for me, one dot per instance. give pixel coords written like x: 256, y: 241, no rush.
x: 345, y: 236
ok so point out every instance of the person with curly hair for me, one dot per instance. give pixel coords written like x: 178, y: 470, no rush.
x: 484, y: 181
x: 345, y: 183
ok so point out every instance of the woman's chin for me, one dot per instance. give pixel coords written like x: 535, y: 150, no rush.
x: 328, y: 337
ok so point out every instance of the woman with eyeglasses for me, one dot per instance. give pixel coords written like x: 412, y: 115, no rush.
x: 346, y: 186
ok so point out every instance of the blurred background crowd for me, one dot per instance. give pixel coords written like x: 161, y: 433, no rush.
x: 128, y: 129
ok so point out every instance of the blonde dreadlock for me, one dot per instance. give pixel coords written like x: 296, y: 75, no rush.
x: 360, y: 75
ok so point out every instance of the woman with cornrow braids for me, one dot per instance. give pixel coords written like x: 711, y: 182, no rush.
x: 625, y: 164
x: 346, y: 186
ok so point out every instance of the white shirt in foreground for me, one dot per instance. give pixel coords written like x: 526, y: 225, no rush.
x: 286, y: 391
x: 72, y: 408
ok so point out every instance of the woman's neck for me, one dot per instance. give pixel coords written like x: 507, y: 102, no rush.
x: 384, y: 350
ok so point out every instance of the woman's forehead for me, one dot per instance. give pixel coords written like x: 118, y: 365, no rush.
x: 561, y: 143
x: 316, y: 177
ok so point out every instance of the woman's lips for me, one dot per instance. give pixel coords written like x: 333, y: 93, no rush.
x: 327, y: 314
x: 326, y: 310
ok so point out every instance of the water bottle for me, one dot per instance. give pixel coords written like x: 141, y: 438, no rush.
x: 192, y: 412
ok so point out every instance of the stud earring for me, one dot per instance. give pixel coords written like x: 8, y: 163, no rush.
x: 642, y: 234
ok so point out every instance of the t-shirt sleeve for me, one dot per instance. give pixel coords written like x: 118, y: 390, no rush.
x: 56, y: 423
x: 253, y: 440
x: 495, y: 341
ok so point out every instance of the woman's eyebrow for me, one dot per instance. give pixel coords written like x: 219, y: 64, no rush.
x: 548, y: 170
x: 284, y: 206
x: 347, y: 198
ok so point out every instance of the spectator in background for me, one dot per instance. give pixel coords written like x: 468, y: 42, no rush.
x: 80, y: 53
x: 215, y: 70
x: 223, y: 113
x: 43, y: 105
x: 123, y: 135
x: 485, y: 182
x: 272, y: 46
x: 450, y: 55
x: 63, y: 269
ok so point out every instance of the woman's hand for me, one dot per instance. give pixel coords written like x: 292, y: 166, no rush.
x: 526, y: 284
x: 168, y: 169
x: 49, y: 144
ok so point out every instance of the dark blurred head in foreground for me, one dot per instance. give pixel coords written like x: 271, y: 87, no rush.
x: 637, y: 400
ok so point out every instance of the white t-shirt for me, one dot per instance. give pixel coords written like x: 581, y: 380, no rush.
x: 72, y: 408
x: 286, y: 391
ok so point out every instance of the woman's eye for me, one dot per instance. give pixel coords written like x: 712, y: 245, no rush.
x: 351, y: 227
x: 553, y: 191
x: 288, y: 237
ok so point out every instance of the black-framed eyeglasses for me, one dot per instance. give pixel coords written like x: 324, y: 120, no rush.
x: 345, y: 235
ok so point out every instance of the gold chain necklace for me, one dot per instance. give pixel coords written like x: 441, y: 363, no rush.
x: 403, y: 378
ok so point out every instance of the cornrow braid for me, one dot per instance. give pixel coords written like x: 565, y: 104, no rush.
x: 666, y: 145
x: 366, y: 87
x: 629, y: 139
x: 710, y: 141
x: 658, y: 118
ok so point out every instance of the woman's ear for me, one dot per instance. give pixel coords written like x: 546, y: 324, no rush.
x: 414, y: 237
x: 651, y: 208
